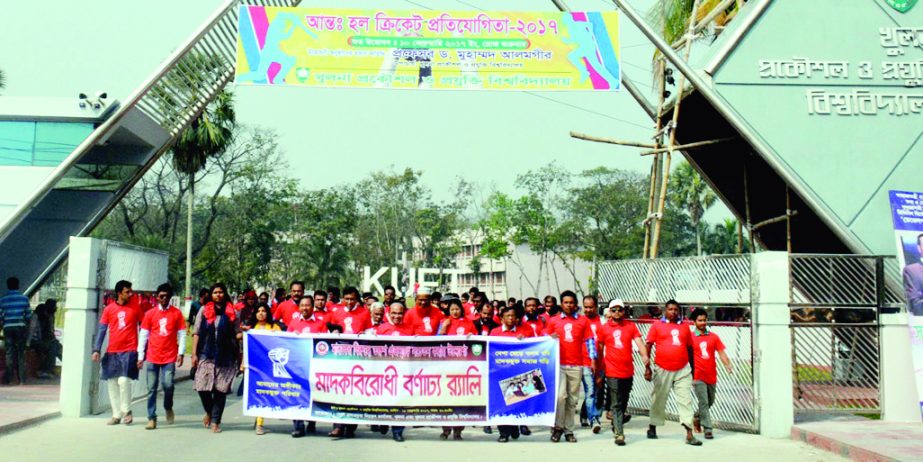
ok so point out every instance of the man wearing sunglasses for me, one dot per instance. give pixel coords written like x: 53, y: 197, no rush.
x: 615, y: 339
x: 162, y: 344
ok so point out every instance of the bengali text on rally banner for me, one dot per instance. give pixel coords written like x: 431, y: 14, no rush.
x: 444, y: 380
x: 468, y: 50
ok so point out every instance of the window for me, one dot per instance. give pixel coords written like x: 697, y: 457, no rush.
x: 41, y: 144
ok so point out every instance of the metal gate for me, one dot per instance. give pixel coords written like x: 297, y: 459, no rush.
x: 720, y: 284
x: 835, y: 301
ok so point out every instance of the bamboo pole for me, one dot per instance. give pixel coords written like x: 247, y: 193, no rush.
x: 747, y: 207
x: 788, y: 221
x: 655, y: 165
x: 599, y: 139
x: 697, y: 144
x: 680, y: 83
x: 740, y: 237
x: 777, y: 219
x: 717, y: 10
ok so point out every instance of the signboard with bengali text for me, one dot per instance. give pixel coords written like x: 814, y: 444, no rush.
x: 469, y: 50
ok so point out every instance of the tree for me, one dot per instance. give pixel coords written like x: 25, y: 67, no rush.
x: 722, y: 238
x: 207, y: 136
x: 690, y: 192
x: 2, y: 80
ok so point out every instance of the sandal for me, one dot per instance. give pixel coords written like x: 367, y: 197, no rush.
x: 692, y: 441
x: 260, y: 430
x: 207, y: 421
x: 216, y: 428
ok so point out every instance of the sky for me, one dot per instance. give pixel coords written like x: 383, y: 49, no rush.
x: 334, y: 136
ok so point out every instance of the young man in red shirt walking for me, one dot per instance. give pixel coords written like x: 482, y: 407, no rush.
x: 589, y: 412
x: 573, y: 334
x: 615, y: 339
x: 162, y: 345
x: 705, y: 344
x: 120, y: 320
x: 672, y: 370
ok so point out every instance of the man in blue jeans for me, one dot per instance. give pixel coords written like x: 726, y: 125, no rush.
x: 591, y: 410
x: 162, y: 343
x: 15, y: 313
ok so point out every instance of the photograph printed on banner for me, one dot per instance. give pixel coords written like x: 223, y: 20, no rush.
x: 523, y: 386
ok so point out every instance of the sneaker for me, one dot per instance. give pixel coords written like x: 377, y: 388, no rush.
x: 488, y: 430
x: 584, y: 423
x: 151, y: 425
x: 503, y: 439
x: 652, y: 433
x: 620, y: 440
x: 596, y: 428
x: 524, y: 430
x: 114, y: 421
x: 171, y: 417
x: 297, y: 433
x: 128, y: 419
x: 570, y: 438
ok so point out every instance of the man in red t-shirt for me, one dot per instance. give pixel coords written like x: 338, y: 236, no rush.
x: 320, y: 305
x: 615, y: 339
x: 288, y: 310
x: 162, y: 345
x: 307, y: 322
x: 573, y: 333
x: 120, y: 320
x: 672, y: 372
x: 398, y: 327
x: 532, y: 318
x: 589, y: 411
x: 705, y: 344
x: 424, y: 317
x: 353, y: 318
x: 510, y: 327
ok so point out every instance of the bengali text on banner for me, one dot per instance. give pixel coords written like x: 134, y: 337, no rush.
x: 468, y: 50
x: 443, y: 380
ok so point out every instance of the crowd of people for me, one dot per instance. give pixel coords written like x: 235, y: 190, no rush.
x: 25, y: 330
x: 596, y: 349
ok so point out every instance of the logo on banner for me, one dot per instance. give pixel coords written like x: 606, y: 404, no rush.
x: 477, y: 349
x: 322, y: 348
x: 279, y: 358
x: 901, y: 5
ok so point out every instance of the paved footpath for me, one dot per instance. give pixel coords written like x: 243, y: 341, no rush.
x: 89, y: 439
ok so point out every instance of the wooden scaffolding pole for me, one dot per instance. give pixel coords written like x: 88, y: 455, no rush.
x: 680, y: 84
x: 655, y: 167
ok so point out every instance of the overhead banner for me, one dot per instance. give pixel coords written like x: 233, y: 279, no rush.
x: 907, y: 215
x: 445, y: 50
x: 443, y: 380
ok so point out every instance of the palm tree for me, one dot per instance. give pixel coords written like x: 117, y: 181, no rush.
x: 691, y: 193
x: 207, y: 136
x: 722, y: 239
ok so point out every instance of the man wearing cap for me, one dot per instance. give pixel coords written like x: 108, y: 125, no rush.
x: 615, y: 339
x: 424, y: 317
